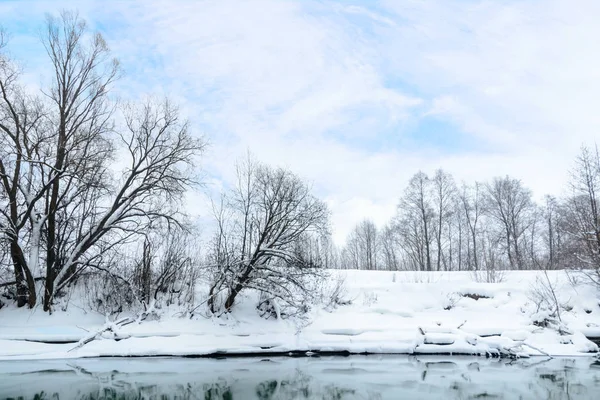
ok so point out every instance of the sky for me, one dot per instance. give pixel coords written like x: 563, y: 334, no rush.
x: 357, y: 96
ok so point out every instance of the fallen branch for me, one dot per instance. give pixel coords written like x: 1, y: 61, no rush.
x: 536, y: 349
x: 109, y: 326
x: 113, y: 326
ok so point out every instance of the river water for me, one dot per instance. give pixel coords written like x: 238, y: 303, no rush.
x: 355, y: 377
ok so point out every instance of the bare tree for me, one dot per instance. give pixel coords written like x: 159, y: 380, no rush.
x: 415, y: 219
x: 584, y: 206
x: 160, y: 154
x: 262, y: 226
x: 23, y: 154
x: 472, y: 208
x: 388, y: 242
x: 362, y: 246
x: 444, y: 190
x: 328, y: 251
x: 168, y: 267
x: 553, y: 237
x: 510, y: 204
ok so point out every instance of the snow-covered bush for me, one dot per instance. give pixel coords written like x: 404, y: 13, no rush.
x: 451, y: 300
x: 548, y: 307
x: 163, y: 272
x: 488, y: 275
x: 369, y: 298
x: 334, y: 293
x: 108, y: 294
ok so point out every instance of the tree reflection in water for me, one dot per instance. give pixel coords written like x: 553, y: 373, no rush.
x: 327, y: 378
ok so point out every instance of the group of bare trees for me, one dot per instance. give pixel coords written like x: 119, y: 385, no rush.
x: 492, y: 225
x: 91, y: 195
x: 81, y: 176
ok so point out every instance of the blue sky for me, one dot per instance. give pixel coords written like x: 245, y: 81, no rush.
x: 357, y: 96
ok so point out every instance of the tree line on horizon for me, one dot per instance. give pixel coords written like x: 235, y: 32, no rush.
x: 495, y: 225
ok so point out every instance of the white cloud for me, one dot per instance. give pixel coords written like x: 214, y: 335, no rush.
x: 275, y: 83
x: 306, y: 84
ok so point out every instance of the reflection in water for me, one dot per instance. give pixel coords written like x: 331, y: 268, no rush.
x: 331, y: 378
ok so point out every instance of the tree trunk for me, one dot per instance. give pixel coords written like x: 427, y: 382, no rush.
x: 474, y: 235
x: 508, y: 250
x: 238, y: 288
x: 20, y: 283
x: 427, y: 249
x: 24, y: 280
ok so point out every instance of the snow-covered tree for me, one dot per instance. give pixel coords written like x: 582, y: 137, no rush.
x: 260, y: 242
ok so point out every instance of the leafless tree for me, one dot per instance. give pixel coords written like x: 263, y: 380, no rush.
x: 444, y: 191
x: 328, y: 251
x: 415, y: 219
x: 160, y: 154
x: 23, y: 155
x: 362, y: 246
x: 553, y: 236
x: 259, y: 244
x: 580, y: 215
x: 472, y: 208
x: 390, y: 251
x: 510, y: 204
x: 585, y: 182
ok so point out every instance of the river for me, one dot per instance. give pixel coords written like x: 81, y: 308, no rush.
x: 354, y: 377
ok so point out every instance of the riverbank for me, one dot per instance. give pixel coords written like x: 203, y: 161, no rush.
x: 385, y: 313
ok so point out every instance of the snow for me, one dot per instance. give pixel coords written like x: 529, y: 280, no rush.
x: 389, y: 312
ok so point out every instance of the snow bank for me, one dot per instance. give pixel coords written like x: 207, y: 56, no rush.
x: 389, y: 312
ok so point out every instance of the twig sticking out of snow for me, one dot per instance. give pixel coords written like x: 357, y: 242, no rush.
x: 522, y: 343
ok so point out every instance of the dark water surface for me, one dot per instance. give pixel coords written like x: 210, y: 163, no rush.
x: 356, y: 377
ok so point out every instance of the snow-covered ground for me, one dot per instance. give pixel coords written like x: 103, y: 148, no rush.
x: 389, y: 312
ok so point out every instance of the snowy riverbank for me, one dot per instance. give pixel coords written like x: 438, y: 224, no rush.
x: 389, y: 312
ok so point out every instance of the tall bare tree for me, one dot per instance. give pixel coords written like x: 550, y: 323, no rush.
x: 471, y: 204
x: 580, y: 217
x: 510, y: 204
x: 444, y: 190
x: 24, y: 155
x: 389, y: 247
x: 80, y: 118
x: 415, y: 220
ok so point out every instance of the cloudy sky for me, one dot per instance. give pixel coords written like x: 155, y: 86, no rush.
x: 356, y: 96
